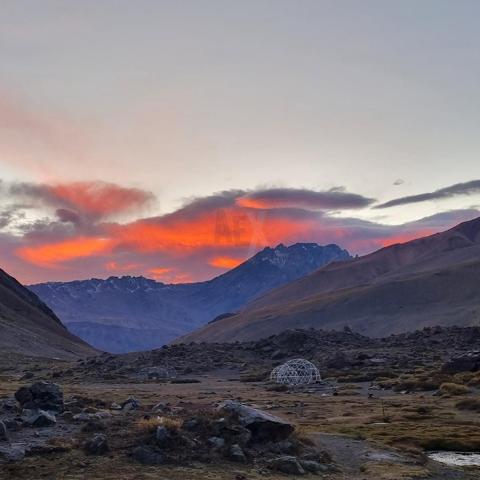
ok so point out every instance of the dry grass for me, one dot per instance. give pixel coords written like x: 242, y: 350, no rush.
x: 449, y: 388
x: 149, y: 425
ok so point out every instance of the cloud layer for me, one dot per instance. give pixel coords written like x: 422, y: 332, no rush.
x: 82, y: 229
x: 467, y: 188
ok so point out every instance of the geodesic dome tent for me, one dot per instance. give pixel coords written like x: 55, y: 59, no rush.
x: 296, y: 372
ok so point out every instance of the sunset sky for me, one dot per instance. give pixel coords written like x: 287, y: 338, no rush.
x: 175, y: 139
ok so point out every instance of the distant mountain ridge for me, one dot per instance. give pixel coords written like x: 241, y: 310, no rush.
x: 428, y: 281
x: 122, y: 314
x: 29, y: 327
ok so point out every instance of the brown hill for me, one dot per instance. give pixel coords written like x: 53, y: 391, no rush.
x: 29, y: 327
x: 429, y: 281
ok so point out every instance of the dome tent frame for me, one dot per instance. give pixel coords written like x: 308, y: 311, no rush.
x: 296, y: 372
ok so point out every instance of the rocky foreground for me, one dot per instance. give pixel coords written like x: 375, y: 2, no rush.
x: 210, y: 411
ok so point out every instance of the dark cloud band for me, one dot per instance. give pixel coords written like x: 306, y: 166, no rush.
x: 467, y: 188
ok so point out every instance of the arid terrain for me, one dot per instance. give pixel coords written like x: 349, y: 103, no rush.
x: 381, y: 406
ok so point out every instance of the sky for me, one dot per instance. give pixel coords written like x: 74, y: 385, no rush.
x: 175, y: 139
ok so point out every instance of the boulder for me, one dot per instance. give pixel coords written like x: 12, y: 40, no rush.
x: 286, y: 464
x: 130, y: 404
x: 42, y: 396
x: 97, y: 445
x: 263, y: 426
x: 39, y: 418
x: 468, y: 362
x: 147, y: 456
x: 236, y: 454
x: 216, y: 442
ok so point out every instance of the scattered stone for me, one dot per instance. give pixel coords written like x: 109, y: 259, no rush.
x: 147, y: 456
x: 313, y: 466
x: 160, y: 407
x: 277, y: 355
x: 39, y: 418
x: 12, y: 453
x: 216, y: 442
x: 93, y: 425
x: 287, y: 464
x: 191, y: 424
x: 130, y: 404
x: 9, y: 405
x: 3, y: 432
x: 115, y: 406
x: 98, y: 445
x: 13, y: 424
x: 236, y: 454
x: 263, y: 426
x: 162, y: 435
x: 87, y: 417
x: 42, y: 396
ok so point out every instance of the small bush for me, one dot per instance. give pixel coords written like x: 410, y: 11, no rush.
x: 149, y: 425
x: 453, y: 389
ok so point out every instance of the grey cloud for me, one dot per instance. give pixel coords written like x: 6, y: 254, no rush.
x: 467, y: 188
x: 333, y: 199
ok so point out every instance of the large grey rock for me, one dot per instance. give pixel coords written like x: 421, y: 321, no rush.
x: 263, y: 426
x: 39, y: 418
x: 42, y: 396
x: 97, y: 445
x: 287, y: 464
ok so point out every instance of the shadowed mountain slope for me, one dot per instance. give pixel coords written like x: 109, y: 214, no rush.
x: 29, y: 327
x: 428, y: 281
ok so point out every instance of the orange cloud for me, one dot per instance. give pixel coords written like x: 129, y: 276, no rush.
x: 159, y: 273
x: 168, y: 275
x: 118, y: 267
x: 225, y: 262
x: 51, y: 254
x: 99, y: 198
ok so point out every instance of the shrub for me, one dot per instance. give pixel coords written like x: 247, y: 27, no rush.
x: 453, y: 389
x: 149, y: 425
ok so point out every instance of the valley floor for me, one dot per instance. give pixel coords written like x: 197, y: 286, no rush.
x: 350, y: 426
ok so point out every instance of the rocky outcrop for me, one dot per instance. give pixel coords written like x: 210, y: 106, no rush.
x: 41, y: 396
x: 468, y: 362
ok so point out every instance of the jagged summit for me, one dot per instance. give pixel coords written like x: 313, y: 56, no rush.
x: 134, y: 313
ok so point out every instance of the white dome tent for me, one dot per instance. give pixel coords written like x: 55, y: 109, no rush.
x: 296, y: 372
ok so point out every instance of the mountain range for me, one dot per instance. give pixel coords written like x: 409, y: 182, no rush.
x: 135, y: 313
x: 29, y: 327
x: 428, y: 281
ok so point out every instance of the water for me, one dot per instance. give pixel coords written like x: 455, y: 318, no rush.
x: 462, y: 459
